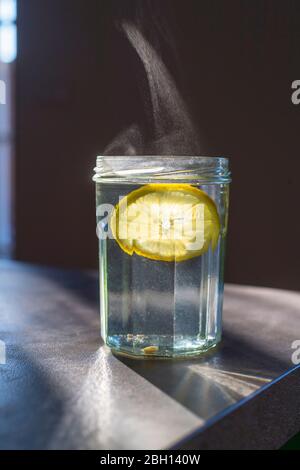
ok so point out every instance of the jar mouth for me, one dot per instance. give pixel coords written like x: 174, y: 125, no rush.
x: 143, y: 169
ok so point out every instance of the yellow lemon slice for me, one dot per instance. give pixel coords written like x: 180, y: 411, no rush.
x: 166, y: 222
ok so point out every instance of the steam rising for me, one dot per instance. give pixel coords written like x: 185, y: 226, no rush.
x: 172, y: 129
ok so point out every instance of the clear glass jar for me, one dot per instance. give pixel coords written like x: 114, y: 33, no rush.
x: 161, y: 224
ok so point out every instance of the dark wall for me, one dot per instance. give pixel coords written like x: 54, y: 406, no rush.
x: 78, y: 85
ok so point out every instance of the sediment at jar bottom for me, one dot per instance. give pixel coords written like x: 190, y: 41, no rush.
x: 156, y: 347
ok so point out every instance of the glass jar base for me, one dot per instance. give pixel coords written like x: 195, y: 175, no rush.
x: 159, y: 346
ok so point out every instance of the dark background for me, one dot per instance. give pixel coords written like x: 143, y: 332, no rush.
x: 78, y: 85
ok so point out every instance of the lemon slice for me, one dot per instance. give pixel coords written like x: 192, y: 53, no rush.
x: 166, y: 222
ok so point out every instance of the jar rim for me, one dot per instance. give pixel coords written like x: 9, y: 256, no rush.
x: 209, y: 169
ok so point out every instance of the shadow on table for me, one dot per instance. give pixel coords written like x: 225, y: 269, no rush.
x: 82, y: 284
x: 30, y: 405
x: 205, y: 385
x: 209, y: 384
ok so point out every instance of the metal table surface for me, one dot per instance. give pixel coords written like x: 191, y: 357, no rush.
x: 60, y: 388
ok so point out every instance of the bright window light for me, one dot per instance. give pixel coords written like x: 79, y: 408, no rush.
x: 8, y: 43
x: 8, y: 52
x: 8, y: 10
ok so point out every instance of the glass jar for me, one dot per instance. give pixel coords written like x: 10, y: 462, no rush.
x: 161, y: 224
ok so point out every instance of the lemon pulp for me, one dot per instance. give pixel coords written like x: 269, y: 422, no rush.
x: 166, y: 222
